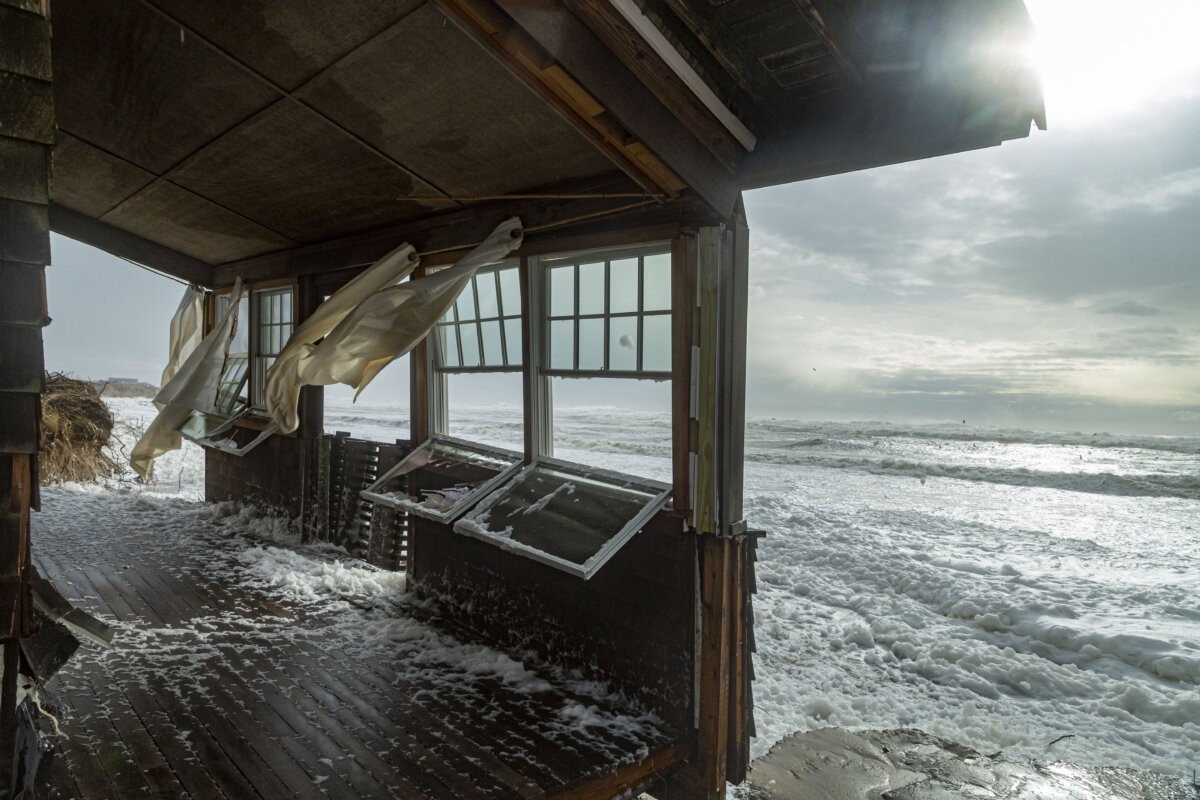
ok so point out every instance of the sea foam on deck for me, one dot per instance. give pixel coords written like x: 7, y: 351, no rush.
x: 999, y: 588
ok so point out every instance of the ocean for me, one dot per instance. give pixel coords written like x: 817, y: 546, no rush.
x: 1025, y: 592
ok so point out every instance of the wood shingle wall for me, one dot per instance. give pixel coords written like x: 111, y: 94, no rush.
x: 26, y: 136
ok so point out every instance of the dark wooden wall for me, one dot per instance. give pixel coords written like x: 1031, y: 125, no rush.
x: 633, y: 623
x: 271, y: 475
x: 26, y: 136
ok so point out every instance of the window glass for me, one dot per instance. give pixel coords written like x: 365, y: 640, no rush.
x: 656, y: 343
x: 591, y: 288
x: 656, y: 282
x: 623, y: 286
x: 465, y: 304
x: 623, y: 344
x: 591, y: 344
x: 469, y: 338
x: 565, y: 515
x: 562, y: 344
x: 493, y: 352
x: 442, y: 478
x: 512, y: 341
x: 489, y: 301
x: 510, y: 290
x: 562, y: 291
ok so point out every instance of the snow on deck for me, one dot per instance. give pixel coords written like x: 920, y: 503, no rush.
x: 244, y: 666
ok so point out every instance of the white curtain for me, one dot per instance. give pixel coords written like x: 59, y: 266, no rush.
x: 282, y: 391
x: 193, y: 386
x: 386, y: 325
x: 187, y: 329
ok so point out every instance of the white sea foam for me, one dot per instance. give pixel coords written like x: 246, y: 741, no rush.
x: 1000, y: 588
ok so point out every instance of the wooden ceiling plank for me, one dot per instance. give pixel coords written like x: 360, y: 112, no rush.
x: 291, y: 95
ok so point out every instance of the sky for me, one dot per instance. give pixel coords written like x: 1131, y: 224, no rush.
x: 1050, y: 283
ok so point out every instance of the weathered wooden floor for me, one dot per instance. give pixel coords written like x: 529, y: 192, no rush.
x: 218, y: 689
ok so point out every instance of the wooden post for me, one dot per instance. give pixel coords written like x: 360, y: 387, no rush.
x: 312, y: 425
x: 26, y: 136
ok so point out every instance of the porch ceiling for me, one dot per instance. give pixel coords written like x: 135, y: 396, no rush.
x: 201, y: 134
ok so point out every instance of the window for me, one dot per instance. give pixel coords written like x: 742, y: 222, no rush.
x: 272, y: 326
x: 263, y: 326
x: 568, y: 516
x: 482, y: 331
x: 609, y: 314
x: 442, y: 478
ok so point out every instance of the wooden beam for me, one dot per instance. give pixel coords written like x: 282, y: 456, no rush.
x: 716, y: 582
x: 124, y: 244
x: 601, y: 74
x: 683, y: 307
x: 645, y: 52
x: 731, y: 355
x: 624, y: 778
x: 465, y: 226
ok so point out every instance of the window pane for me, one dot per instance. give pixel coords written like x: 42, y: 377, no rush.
x: 622, y: 343
x: 562, y: 344
x: 512, y: 340
x: 656, y: 343
x: 623, y: 285
x: 562, y: 291
x: 591, y: 343
x: 285, y: 308
x: 656, y: 282
x: 591, y: 288
x: 447, y: 343
x: 469, y: 334
x: 563, y: 513
x: 466, y: 303
x: 510, y: 291
x: 440, y: 479
x: 488, y: 302
x: 493, y: 355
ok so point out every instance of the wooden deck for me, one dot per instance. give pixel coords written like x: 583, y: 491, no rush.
x: 215, y: 688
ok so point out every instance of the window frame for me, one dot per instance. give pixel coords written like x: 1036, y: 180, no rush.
x: 375, y: 494
x: 469, y: 525
x: 256, y: 417
x: 576, y: 259
x: 501, y: 318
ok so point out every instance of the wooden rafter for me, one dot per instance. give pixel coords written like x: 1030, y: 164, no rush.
x: 819, y: 26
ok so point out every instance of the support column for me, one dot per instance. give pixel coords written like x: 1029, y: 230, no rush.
x: 716, y: 449
x: 26, y: 136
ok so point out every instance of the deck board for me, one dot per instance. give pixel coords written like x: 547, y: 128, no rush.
x: 218, y: 688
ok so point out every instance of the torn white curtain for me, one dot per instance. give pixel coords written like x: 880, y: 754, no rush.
x: 194, y: 386
x: 282, y: 391
x: 187, y: 330
x: 390, y: 323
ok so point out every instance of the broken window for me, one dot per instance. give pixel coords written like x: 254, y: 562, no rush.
x: 262, y: 327
x: 443, y: 477
x: 568, y: 516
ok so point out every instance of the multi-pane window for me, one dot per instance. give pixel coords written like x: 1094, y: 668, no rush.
x: 272, y: 323
x: 609, y: 314
x: 482, y: 331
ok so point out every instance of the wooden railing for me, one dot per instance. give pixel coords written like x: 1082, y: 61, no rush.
x: 370, y: 531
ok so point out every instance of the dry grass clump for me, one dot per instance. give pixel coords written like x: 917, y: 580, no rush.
x: 77, y: 428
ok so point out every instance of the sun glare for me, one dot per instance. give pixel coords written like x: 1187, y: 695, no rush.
x: 1101, y: 59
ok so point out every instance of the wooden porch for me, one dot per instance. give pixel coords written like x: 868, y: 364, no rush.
x: 214, y: 688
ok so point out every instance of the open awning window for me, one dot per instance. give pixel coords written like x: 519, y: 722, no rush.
x: 225, y: 433
x: 568, y: 516
x: 443, y: 478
